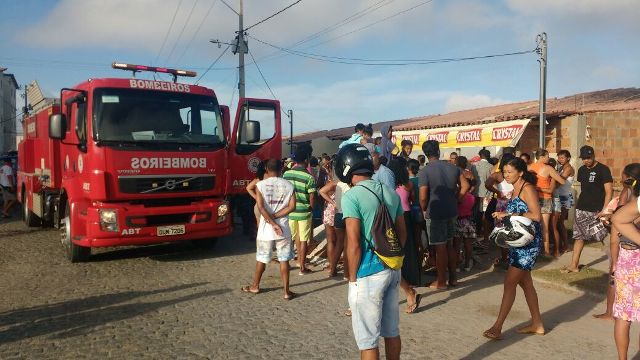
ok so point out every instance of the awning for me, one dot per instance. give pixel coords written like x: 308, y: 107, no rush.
x: 503, y: 134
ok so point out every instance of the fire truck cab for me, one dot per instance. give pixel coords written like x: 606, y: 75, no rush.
x: 133, y: 162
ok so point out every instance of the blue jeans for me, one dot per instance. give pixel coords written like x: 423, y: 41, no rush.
x: 374, y: 307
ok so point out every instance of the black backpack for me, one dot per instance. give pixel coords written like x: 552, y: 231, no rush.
x: 386, y: 244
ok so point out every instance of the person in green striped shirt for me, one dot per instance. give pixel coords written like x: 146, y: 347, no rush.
x: 300, y: 220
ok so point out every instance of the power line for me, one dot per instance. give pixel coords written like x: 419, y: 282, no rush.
x: 229, y: 6
x: 386, y: 62
x: 357, y: 15
x: 197, y: 31
x: 213, y: 63
x: 262, y: 75
x: 273, y: 15
x: 371, y: 24
x: 182, y: 30
x: 168, y: 31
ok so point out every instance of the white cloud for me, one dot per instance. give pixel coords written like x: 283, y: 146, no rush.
x: 142, y: 24
x: 458, y: 102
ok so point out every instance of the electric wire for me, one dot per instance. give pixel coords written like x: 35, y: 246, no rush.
x: 213, y: 3
x: 343, y: 22
x: 175, y: 43
x: 266, y: 83
x: 164, y: 41
x: 371, y: 24
x: 386, y: 62
x: 272, y: 15
x: 213, y: 63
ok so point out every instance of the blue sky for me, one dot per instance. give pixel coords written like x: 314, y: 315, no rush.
x: 592, y: 45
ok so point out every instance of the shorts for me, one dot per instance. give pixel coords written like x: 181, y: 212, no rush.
x: 338, y: 221
x: 301, y: 229
x: 374, y: 307
x: 588, y: 227
x: 264, y: 250
x: 562, y: 202
x: 7, y: 195
x: 416, y: 214
x: 546, y: 206
x: 440, y: 232
x: 465, y: 229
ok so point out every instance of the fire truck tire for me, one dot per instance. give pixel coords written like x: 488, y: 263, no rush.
x: 209, y: 243
x: 73, y: 252
x: 30, y: 219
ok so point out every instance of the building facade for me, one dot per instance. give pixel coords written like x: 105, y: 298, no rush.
x: 8, y: 118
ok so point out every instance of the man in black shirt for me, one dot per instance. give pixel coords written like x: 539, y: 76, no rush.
x: 596, y: 191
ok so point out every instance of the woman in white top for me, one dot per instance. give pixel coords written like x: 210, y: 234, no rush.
x: 562, y: 202
x: 332, y: 193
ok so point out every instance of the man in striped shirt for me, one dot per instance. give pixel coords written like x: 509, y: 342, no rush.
x: 300, y: 220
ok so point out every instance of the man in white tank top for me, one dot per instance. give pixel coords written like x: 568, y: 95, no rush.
x: 275, y: 201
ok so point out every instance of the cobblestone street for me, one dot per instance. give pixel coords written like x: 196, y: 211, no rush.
x: 177, y: 301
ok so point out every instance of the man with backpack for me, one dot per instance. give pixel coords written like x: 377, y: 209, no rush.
x: 376, y: 234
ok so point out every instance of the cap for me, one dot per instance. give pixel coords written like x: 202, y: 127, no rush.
x: 587, y: 152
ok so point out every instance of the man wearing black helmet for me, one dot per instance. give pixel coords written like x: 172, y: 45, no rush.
x: 373, y: 288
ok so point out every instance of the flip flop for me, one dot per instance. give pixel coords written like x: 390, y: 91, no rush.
x: 347, y: 312
x: 491, y: 335
x: 413, y: 307
x: 247, y: 289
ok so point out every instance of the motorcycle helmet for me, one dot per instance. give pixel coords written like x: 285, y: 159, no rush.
x: 352, y: 159
x: 518, y: 231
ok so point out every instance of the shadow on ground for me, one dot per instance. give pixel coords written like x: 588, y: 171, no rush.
x: 80, y: 316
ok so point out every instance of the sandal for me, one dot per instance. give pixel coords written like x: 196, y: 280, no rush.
x: 413, y: 307
x: 247, y: 289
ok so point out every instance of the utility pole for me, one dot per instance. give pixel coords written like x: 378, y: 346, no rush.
x: 241, y: 48
x: 541, y: 40
x: 291, y: 132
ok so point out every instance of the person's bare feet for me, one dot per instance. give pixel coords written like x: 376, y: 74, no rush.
x: 435, y: 285
x: 568, y: 269
x: 604, y: 316
x: 289, y: 295
x: 250, y: 289
x: 493, y: 333
x: 532, y: 329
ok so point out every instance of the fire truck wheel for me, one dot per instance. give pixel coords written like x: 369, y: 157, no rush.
x: 73, y: 252
x: 209, y: 243
x: 30, y: 219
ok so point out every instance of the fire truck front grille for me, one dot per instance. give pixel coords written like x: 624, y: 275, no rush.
x: 157, y: 185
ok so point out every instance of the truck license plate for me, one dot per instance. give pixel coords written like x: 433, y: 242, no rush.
x: 171, y: 230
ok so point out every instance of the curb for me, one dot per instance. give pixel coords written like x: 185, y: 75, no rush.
x: 573, y: 289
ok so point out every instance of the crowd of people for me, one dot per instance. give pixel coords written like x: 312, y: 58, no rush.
x: 390, y: 217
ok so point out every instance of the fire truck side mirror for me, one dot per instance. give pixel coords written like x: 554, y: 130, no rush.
x: 251, y: 131
x: 57, y: 126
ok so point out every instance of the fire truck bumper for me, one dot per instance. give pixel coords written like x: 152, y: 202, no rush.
x: 116, y: 224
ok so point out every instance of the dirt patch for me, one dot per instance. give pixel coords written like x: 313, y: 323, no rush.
x: 587, y: 279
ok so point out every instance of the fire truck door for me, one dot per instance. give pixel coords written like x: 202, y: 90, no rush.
x: 256, y: 136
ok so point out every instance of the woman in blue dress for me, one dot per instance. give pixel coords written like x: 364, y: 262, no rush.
x: 522, y: 259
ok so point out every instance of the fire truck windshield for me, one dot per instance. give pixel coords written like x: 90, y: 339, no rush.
x: 133, y: 116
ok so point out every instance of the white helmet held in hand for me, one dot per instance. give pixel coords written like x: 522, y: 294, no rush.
x: 518, y: 231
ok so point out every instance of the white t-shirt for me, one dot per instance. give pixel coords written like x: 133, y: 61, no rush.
x: 6, y: 172
x: 276, y: 193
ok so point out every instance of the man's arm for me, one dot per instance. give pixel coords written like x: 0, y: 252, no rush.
x: 286, y: 211
x: 424, y: 197
x: 354, y: 253
x: 265, y: 214
x: 608, y: 194
x: 251, y: 188
x: 401, y: 229
x: 555, y: 176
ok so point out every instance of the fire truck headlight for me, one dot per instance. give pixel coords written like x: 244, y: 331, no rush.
x: 222, y: 212
x: 108, y: 220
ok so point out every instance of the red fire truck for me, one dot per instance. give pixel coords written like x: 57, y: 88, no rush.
x: 132, y: 161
